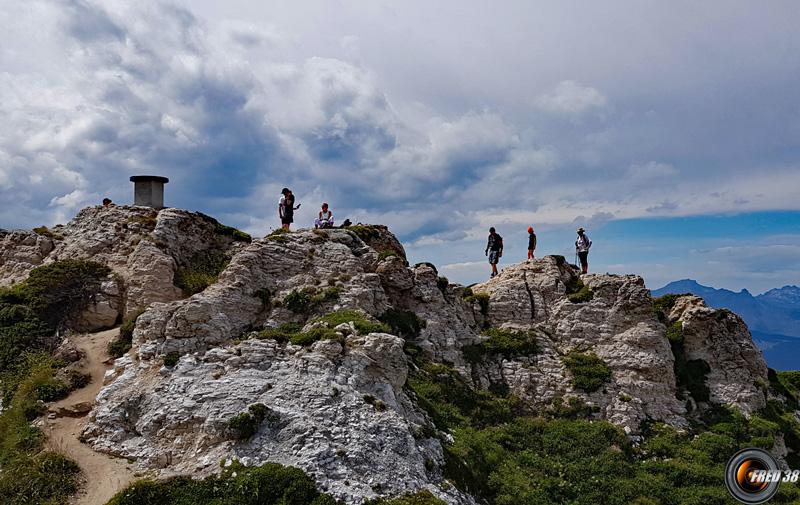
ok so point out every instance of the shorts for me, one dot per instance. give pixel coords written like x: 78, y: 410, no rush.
x: 287, y: 219
x: 494, y: 257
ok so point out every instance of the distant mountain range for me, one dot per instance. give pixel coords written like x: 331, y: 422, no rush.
x: 773, y: 317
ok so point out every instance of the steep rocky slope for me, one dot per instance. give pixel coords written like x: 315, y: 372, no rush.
x: 289, y: 336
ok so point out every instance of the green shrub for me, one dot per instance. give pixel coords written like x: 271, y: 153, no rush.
x: 574, y: 408
x: 282, y: 333
x: 27, y: 475
x: 387, y: 253
x: 482, y: 299
x: 269, y: 484
x: 51, y: 296
x: 578, y: 292
x: 146, y: 221
x: 305, y: 300
x: 246, y: 424
x: 307, y: 338
x: 202, y: 271
x: 365, y: 232
x: 171, y: 359
x: 236, y: 235
x: 663, y: 305
x: 359, y: 319
x: 675, y: 332
x: 589, y: 372
x: 123, y: 343
x: 501, y: 342
x: 45, y: 232
x: 279, y: 235
x: 378, y: 404
x: 403, y: 323
x: 424, y: 497
x: 77, y: 379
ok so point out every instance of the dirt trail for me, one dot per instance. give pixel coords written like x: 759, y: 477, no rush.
x: 103, y: 475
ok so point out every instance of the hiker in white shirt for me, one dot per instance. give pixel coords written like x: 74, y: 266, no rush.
x: 582, y: 246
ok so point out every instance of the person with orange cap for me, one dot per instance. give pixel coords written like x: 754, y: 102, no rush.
x: 531, y: 242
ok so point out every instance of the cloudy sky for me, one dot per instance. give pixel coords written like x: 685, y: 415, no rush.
x: 670, y: 129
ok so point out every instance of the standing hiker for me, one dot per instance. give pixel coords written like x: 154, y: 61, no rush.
x: 582, y: 246
x: 531, y: 242
x: 286, y: 208
x: 494, y: 249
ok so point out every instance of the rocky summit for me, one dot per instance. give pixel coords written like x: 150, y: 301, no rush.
x: 300, y: 348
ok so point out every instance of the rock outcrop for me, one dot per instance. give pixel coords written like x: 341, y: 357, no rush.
x: 339, y: 408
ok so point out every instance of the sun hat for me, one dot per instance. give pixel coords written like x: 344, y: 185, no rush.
x: 581, y: 230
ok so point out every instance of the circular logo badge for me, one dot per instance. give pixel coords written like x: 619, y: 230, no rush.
x: 750, y: 474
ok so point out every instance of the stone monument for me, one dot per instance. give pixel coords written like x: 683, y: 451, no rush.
x: 148, y: 190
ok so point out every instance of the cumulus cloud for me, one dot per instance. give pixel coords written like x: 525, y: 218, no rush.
x: 571, y: 97
x: 432, y: 144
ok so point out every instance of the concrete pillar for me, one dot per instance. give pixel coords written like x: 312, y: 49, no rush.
x: 148, y: 190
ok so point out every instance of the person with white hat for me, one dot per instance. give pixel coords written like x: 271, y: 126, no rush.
x: 582, y: 246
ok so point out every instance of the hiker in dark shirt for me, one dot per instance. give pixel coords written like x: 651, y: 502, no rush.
x: 531, y: 242
x: 286, y: 208
x: 494, y: 249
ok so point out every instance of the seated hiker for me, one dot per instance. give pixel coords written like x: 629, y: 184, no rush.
x: 325, y: 219
x: 531, y: 242
x: 494, y: 249
x: 582, y: 246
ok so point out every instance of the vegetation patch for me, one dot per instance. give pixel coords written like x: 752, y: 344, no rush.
x: 171, y: 359
x: 51, y: 296
x: 202, y: 271
x: 578, y: 292
x: 675, y: 332
x: 360, y: 320
x: 45, y: 232
x: 663, y: 305
x: 304, y: 300
x: 292, y: 333
x: 236, y: 235
x: 269, y: 484
x: 279, y: 235
x: 123, y: 343
x: 424, y: 497
x: 282, y: 333
x: 246, y: 424
x: 365, y: 232
x: 573, y: 408
x: 442, y: 283
x: 403, y: 323
x: 589, y: 372
x: 387, y: 253
x: 690, y: 375
x: 482, y: 300
x: 502, y: 342
x: 28, y: 473
x: 146, y: 221
x: 378, y: 404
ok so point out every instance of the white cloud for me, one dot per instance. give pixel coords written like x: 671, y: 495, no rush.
x: 571, y: 97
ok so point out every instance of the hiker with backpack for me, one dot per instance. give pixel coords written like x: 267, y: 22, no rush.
x: 531, y: 242
x: 325, y: 219
x: 582, y: 246
x: 286, y: 208
x: 494, y: 249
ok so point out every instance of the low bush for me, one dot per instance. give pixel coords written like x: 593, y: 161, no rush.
x: 365, y: 232
x: 202, y: 271
x: 51, y: 297
x: 282, y: 333
x: 305, y: 300
x: 378, y: 404
x: 403, y: 323
x: 482, y: 300
x: 663, y: 305
x: 246, y: 424
x: 502, y: 342
x: 171, y: 359
x: 45, y: 232
x: 279, y: 235
x: 77, y: 379
x: 123, y: 343
x: 359, y: 319
x: 589, y: 372
x: 307, y: 338
x: 675, y: 332
x: 388, y: 253
x: 573, y: 408
x: 424, y: 497
x: 578, y: 292
x: 269, y: 484
x: 28, y: 475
